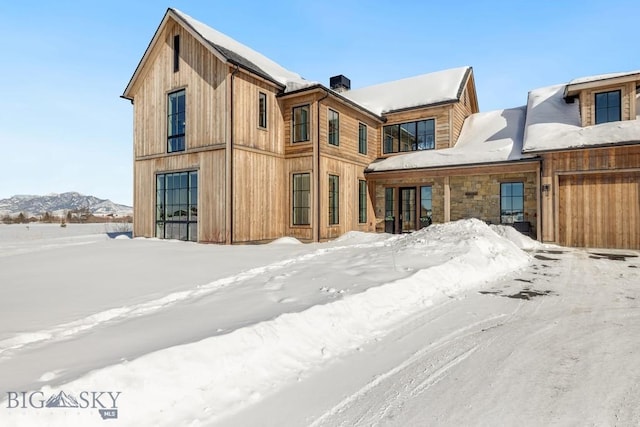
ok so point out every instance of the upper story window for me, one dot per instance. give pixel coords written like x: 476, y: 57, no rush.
x: 410, y: 136
x: 176, y: 53
x: 608, y: 107
x: 362, y: 138
x: 300, y: 126
x: 176, y: 119
x: 262, y: 110
x: 334, y: 128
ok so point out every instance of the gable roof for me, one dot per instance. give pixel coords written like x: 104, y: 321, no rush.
x: 227, y: 50
x: 553, y: 124
x: 576, y: 85
x: 430, y: 89
x: 491, y: 137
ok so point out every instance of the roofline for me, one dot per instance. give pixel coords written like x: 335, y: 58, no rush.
x: 433, y: 104
x: 171, y: 13
x: 584, y: 147
x: 456, y: 166
x: 570, y: 88
x: 319, y: 86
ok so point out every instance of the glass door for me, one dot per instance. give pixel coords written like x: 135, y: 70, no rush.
x: 407, y: 209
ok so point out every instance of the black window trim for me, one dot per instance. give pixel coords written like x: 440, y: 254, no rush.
x: 335, y: 208
x: 366, y: 139
x: 337, y: 130
x: 608, y: 107
x: 399, y: 126
x: 176, y: 53
x: 180, y: 135
x: 262, y: 115
x: 293, y: 200
x: 294, y: 124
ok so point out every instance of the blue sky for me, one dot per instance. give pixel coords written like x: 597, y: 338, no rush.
x: 65, y: 64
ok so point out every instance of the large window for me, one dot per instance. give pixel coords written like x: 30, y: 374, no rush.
x: 176, y: 122
x: 362, y: 201
x: 511, y: 202
x: 410, y: 136
x: 425, y: 206
x: 334, y: 199
x: 608, y: 107
x: 177, y: 206
x: 362, y: 138
x: 301, y: 123
x: 334, y: 127
x: 301, y: 202
x: 262, y: 110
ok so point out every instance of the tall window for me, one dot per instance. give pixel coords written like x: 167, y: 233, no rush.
x: 608, y: 107
x: 388, y: 204
x: 301, y: 199
x: 176, y: 53
x: 410, y: 136
x: 176, y: 121
x: 511, y: 202
x: 177, y: 206
x: 262, y: 110
x: 334, y: 127
x: 334, y: 199
x: 362, y: 138
x: 362, y: 201
x: 301, y: 123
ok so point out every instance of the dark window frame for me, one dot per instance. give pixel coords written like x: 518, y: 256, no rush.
x: 176, y: 121
x: 508, y: 213
x: 362, y: 201
x: 177, y: 205
x: 299, y: 195
x: 417, y: 135
x: 303, y: 126
x: 426, y: 213
x: 362, y: 138
x: 262, y: 110
x: 603, y: 113
x: 176, y: 53
x: 333, y: 130
x: 334, y: 199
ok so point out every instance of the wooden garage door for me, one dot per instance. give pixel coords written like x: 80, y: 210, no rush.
x: 600, y: 210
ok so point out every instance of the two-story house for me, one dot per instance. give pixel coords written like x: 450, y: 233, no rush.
x: 231, y: 147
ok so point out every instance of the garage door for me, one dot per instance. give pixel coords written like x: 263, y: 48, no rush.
x: 600, y: 210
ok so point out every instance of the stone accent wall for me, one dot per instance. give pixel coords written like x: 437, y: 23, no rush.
x: 478, y: 196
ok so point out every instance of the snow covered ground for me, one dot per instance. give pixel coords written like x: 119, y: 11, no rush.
x: 452, y: 325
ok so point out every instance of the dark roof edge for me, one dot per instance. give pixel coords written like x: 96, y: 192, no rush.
x: 336, y: 95
x: 457, y: 166
x: 585, y: 147
x: 433, y: 104
x: 463, y: 83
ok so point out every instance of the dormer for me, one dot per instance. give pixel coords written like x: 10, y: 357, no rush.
x: 605, y: 98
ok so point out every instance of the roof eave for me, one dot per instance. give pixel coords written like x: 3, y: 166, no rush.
x: 367, y: 171
x: 583, y: 147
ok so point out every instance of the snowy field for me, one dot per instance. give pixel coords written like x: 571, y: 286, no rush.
x: 457, y: 324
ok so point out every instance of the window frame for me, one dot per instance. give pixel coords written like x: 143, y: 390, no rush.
x: 426, y: 220
x: 262, y: 110
x: 187, y: 200
x: 176, y: 136
x: 511, y: 197
x: 334, y: 199
x: 333, y: 127
x: 394, y: 146
x: 608, y: 108
x: 305, y: 126
x: 362, y: 201
x: 176, y: 53
x: 363, y: 138
x: 294, y: 206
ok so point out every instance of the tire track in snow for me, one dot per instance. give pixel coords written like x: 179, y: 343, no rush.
x: 9, y: 346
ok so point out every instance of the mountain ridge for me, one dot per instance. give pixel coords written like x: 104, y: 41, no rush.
x: 60, y: 203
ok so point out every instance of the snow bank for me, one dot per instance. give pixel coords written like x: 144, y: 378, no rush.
x: 206, y: 380
x: 286, y: 241
x: 519, y: 239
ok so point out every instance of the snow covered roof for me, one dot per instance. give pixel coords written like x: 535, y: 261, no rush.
x: 608, y: 76
x: 423, y: 90
x: 553, y: 124
x: 237, y: 53
x: 494, y: 136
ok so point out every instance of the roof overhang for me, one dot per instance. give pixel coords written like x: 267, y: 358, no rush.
x: 573, y: 89
x: 458, y: 167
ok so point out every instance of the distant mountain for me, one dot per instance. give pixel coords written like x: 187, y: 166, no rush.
x: 58, y: 204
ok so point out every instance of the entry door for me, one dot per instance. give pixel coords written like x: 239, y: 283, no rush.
x: 407, y: 209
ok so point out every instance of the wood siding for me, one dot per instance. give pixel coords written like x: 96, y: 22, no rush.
x: 562, y: 220
x: 443, y: 123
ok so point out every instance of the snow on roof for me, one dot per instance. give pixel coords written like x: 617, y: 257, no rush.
x: 426, y: 89
x: 553, y: 124
x: 596, y: 78
x: 494, y: 136
x: 245, y: 56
